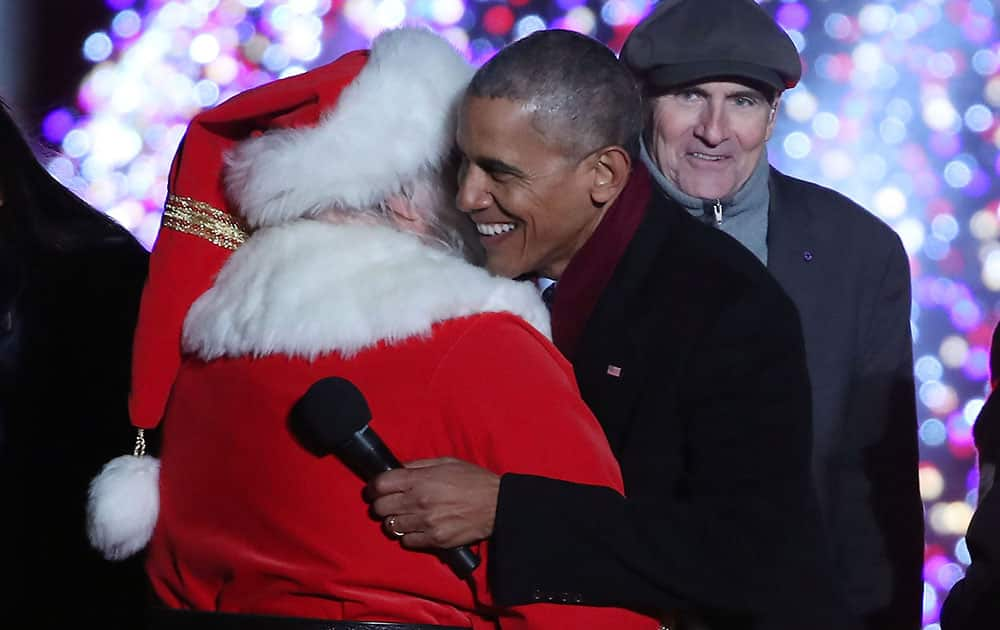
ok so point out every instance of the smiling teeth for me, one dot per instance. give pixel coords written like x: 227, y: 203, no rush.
x: 492, y: 229
x: 705, y: 156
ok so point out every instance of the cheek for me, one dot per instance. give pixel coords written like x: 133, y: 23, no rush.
x: 505, y: 201
x: 519, y: 202
x: 669, y: 136
x: 753, y: 136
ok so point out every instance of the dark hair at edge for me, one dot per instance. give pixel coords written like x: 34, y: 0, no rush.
x: 583, y: 98
x: 40, y: 214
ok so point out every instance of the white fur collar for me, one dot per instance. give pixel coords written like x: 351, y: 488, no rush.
x: 312, y: 287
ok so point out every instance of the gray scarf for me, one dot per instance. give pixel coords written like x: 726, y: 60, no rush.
x: 744, y: 215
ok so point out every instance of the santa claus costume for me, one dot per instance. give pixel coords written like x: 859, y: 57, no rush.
x: 251, y: 300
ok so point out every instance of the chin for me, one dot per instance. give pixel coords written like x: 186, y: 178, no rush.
x: 708, y: 191
x: 497, y: 268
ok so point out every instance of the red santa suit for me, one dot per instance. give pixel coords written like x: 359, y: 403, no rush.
x: 452, y: 361
x: 450, y: 365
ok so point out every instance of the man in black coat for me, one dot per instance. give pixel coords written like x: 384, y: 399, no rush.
x: 686, y: 349
x: 713, y: 72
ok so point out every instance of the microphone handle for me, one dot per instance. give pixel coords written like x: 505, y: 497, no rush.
x: 368, y: 456
x: 461, y: 560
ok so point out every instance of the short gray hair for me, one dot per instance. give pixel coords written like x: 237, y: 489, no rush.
x: 580, y: 93
x: 444, y: 225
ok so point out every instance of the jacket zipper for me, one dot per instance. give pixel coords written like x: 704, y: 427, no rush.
x: 717, y: 209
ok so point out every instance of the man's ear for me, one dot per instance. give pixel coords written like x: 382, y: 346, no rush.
x: 611, y: 168
x: 402, y: 208
x: 772, y: 117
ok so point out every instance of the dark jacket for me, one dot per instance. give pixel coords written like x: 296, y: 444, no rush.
x: 708, y: 417
x: 974, y: 602
x: 66, y: 324
x: 848, y: 274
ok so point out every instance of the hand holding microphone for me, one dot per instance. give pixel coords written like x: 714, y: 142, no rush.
x: 332, y: 418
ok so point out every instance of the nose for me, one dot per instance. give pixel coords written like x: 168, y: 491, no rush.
x: 473, y: 192
x: 713, y: 124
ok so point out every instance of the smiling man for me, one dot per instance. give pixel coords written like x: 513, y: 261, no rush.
x: 713, y: 72
x: 708, y: 137
x: 536, y: 185
x: 686, y: 350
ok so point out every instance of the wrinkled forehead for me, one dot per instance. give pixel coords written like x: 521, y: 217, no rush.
x: 481, y: 115
x: 508, y: 129
x: 495, y: 124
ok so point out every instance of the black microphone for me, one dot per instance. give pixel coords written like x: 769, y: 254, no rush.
x: 332, y: 418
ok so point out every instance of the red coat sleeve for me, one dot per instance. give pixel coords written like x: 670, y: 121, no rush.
x: 513, y: 399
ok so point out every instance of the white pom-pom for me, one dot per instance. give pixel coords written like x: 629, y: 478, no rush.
x: 123, y: 505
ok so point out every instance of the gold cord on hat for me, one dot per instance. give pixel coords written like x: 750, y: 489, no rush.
x: 140, y: 444
x: 200, y: 219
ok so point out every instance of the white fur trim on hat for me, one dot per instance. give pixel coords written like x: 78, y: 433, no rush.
x: 394, y: 120
x: 123, y: 505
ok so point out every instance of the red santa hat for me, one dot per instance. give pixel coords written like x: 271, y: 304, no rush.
x: 346, y: 134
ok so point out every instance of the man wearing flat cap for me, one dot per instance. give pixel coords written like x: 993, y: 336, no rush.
x: 713, y: 72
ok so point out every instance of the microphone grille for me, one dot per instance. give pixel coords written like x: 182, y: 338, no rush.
x: 329, y: 413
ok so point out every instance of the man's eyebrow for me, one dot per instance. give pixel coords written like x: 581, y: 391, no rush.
x: 689, y: 89
x: 493, y: 165
x: 744, y: 92
x: 748, y: 93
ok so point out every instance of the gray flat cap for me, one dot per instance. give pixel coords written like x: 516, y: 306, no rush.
x: 687, y: 41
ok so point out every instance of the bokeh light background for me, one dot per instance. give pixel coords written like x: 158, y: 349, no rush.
x: 897, y: 109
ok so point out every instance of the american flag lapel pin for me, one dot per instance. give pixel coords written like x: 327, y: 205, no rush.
x: 614, y: 370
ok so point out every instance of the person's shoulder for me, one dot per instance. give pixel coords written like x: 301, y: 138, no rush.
x: 497, y: 347
x: 496, y: 329
x: 98, y: 239
x: 118, y: 262
x: 835, y: 213
x: 986, y: 429
x: 98, y: 281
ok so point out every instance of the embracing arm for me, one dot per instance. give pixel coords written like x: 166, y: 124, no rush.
x: 742, y: 535
x: 516, y: 409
